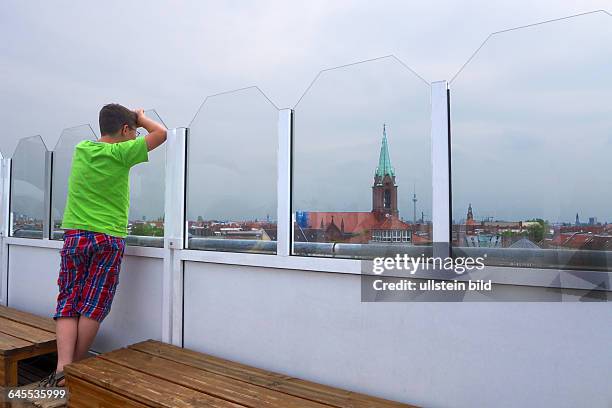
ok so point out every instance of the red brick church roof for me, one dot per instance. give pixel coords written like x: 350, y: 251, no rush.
x: 355, y: 222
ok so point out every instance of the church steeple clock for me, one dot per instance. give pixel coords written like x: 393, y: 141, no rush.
x: 384, y: 190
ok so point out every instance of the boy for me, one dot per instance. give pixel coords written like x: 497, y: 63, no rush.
x: 95, y: 223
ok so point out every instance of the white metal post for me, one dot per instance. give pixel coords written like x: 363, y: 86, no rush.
x: 47, y: 195
x: 5, y: 186
x: 174, y: 220
x: 440, y: 161
x: 283, y: 157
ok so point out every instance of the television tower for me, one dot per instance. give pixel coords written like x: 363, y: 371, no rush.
x: 414, y: 201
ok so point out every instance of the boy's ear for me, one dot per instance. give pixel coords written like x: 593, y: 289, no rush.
x: 125, y: 129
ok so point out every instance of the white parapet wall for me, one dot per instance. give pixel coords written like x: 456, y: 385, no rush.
x: 312, y: 325
x: 136, y: 309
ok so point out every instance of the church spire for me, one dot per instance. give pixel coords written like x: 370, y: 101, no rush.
x: 384, y: 161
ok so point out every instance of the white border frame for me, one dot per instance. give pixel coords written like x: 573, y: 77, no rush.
x: 440, y: 169
x: 284, y: 236
x: 175, y: 230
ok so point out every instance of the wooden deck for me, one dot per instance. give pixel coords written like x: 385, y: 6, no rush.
x: 155, y: 374
x: 22, y: 335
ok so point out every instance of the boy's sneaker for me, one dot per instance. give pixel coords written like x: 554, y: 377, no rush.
x: 51, y: 380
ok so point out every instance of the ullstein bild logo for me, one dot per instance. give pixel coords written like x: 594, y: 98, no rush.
x: 411, y: 264
x: 404, y: 263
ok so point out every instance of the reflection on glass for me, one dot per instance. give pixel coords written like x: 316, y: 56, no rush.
x: 62, y: 163
x: 147, y: 194
x: 362, y: 162
x: 532, y: 137
x: 27, y: 201
x: 231, y: 174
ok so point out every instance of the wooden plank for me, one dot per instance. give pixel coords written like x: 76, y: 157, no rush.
x: 25, y: 376
x: 38, y: 350
x: 324, y: 394
x: 215, y: 385
x: 132, y: 384
x: 30, y: 372
x: 25, y: 332
x: 10, y: 344
x: 33, y: 369
x: 83, y: 394
x: 43, y: 323
x: 8, y: 372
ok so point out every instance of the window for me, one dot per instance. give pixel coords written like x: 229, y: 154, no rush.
x: 231, y: 174
x: 531, y: 144
x: 29, y: 166
x: 362, y: 161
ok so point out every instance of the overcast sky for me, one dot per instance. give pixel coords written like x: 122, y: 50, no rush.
x: 62, y: 60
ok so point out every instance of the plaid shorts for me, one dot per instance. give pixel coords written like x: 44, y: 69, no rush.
x: 89, y: 274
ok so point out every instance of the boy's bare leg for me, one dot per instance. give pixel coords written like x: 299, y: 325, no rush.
x: 82, y: 332
x: 66, y: 329
x: 87, y: 330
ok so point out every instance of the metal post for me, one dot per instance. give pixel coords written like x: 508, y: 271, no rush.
x: 440, y: 161
x: 5, y: 187
x: 174, y: 220
x: 283, y: 157
x: 47, y: 195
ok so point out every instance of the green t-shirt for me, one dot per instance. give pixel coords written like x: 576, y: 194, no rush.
x: 99, y: 185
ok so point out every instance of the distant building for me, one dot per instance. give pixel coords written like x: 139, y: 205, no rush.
x: 489, y: 233
x: 581, y: 240
x: 482, y: 241
x: 381, y: 224
x: 259, y: 230
x: 524, y: 243
x: 593, y: 229
x: 470, y: 216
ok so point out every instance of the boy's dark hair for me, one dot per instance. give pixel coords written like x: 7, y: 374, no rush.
x: 113, y: 116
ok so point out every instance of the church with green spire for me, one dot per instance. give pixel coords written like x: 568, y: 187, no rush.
x: 380, y: 225
x: 384, y: 190
x: 384, y: 161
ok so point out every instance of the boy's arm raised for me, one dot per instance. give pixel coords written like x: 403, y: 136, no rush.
x: 157, y: 131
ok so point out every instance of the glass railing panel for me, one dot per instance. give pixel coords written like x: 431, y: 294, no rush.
x: 361, y: 182
x: 27, y: 196
x: 232, y: 174
x: 147, y: 195
x: 531, y: 145
x: 62, y: 163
